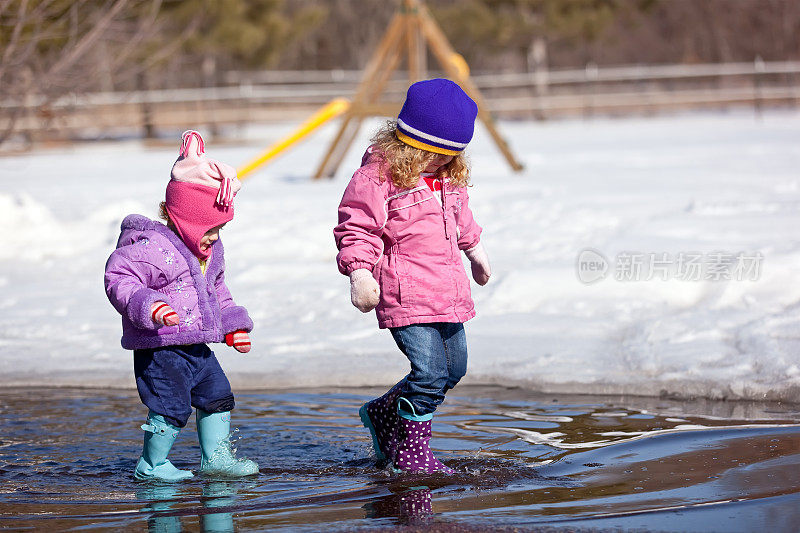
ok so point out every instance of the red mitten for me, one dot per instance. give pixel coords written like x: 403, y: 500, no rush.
x: 240, y: 340
x: 163, y: 314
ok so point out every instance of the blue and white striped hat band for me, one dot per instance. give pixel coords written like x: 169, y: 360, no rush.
x: 424, y: 141
x: 437, y: 116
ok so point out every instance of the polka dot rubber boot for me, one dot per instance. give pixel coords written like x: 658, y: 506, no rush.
x: 380, y: 417
x: 416, y: 504
x: 413, y: 454
x: 407, y: 507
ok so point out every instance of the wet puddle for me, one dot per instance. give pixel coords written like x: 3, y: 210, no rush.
x: 523, y: 460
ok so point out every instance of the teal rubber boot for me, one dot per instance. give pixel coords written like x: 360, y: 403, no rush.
x: 160, y: 498
x: 213, y: 431
x: 159, y: 436
x: 218, y: 494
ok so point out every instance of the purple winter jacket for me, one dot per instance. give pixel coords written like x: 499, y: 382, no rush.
x: 411, y: 241
x: 151, y: 263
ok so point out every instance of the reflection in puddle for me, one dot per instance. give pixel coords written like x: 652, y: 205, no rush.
x: 410, y: 506
x: 521, y: 459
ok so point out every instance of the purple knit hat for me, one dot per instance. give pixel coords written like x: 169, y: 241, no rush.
x: 437, y: 116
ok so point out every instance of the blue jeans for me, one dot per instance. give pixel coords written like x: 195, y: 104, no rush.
x: 438, y: 356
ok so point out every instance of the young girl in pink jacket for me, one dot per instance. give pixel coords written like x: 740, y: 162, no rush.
x: 404, y: 220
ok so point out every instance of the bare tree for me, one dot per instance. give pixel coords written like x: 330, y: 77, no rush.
x: 52, y: 48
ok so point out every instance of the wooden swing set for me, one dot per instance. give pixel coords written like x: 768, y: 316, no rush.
x: 411, y: 30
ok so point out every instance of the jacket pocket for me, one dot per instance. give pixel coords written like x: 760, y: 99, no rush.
x: 389, y: 281
x: 423, y: 289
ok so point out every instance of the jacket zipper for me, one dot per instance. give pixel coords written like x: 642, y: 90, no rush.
x: 444, y: 213
x: 447, y: 236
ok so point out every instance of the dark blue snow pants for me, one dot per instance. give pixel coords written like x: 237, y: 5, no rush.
x: 173, y: 379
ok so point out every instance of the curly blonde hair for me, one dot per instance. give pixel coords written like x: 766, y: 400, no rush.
x: 406, y: 163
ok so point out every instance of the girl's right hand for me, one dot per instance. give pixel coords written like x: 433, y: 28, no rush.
x: 163, y: 314
x: 364, y: 291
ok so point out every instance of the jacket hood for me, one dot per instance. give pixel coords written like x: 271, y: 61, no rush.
x: 139, y: 222
x: 372, y: 155
x: 134, y: 226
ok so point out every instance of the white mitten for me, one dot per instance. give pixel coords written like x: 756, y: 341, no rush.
x: 364, y: 290
x: 481, y: 270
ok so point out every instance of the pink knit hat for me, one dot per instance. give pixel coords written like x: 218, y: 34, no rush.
x: 200, y: 192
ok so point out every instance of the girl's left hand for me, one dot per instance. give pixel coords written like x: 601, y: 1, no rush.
x: 479, y: 260
x: 240, y: 341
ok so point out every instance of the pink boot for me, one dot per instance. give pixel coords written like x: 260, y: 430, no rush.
x: 381, y: 418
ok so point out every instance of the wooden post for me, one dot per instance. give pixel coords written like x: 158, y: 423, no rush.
x: 441, y: 48
x: 758, y: 69
x: 537, y: 64
x: 357, y: 113
x: 417, y: 67
x: 365, y: 91
x: 146, y: 108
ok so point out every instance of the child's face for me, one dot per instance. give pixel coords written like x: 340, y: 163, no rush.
x: 210, y: 237
x: 439, y: 161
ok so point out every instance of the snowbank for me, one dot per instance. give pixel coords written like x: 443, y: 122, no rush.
x: 706, y: 184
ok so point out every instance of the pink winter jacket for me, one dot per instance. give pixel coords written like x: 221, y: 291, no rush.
x: 411, y: 242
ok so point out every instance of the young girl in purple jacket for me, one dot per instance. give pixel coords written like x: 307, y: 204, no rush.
x: 404, y: 220
x: 168, y: 283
